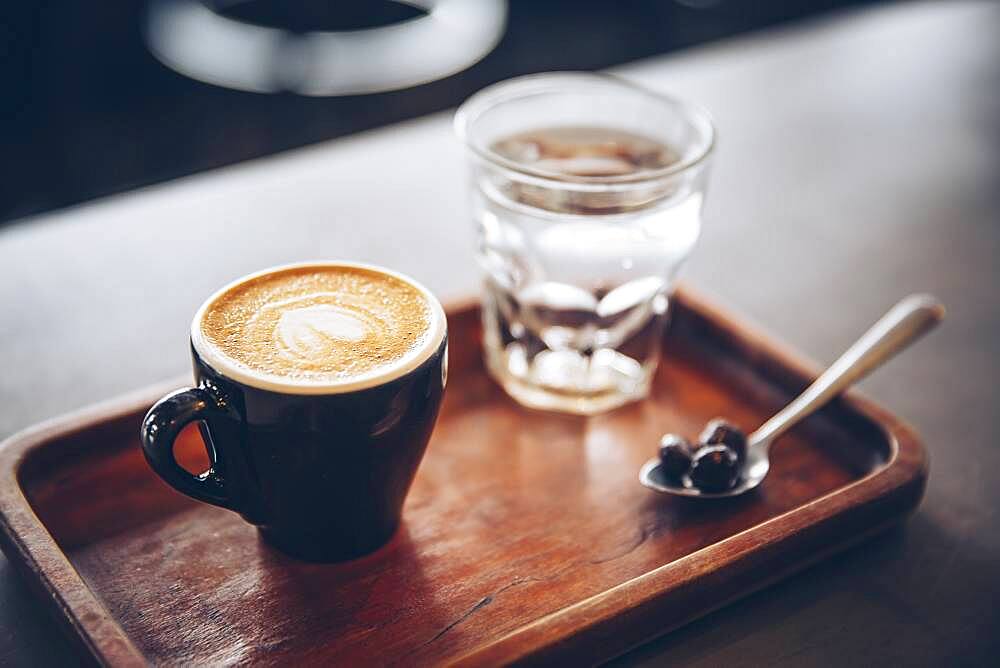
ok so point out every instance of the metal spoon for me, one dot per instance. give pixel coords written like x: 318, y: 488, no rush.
x: 904, y: 323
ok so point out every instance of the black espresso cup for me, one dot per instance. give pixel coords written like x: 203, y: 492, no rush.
x: 321, y: 468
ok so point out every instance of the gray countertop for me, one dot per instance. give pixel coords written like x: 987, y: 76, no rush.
x: 859, y: 160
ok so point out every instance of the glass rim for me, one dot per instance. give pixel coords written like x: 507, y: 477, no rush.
x: 554, y: 82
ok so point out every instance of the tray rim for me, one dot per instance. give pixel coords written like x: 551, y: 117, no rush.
x: 901, y: 480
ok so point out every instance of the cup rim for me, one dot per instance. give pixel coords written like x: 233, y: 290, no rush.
x: 549, y: 82
x: 237, y: 371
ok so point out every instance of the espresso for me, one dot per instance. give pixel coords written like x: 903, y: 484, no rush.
x: 586, y: 151
x: 319, y: 323
x: 316, y: 387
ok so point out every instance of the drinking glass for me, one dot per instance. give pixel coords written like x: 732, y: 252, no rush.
x: 578, y: 270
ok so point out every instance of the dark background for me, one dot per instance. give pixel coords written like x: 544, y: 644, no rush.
x: 86, y: 111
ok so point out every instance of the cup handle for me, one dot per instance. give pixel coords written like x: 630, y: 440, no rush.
x: 160, y: 428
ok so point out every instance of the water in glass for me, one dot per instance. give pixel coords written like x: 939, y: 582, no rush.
x: 577, y: 278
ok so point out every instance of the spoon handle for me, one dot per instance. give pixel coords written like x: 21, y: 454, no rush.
x: 905, y: 322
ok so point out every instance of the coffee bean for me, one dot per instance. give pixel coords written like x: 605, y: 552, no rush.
x: 675, y: 455
x: 721, y: 432
x: 715, y: 468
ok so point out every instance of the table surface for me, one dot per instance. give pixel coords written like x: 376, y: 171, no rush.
x: 858, y: 161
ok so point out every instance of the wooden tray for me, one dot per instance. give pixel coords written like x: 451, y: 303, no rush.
x: 526, y: 537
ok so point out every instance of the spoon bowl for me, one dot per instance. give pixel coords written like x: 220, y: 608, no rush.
x: 907, y: 321
x: 752, y: 473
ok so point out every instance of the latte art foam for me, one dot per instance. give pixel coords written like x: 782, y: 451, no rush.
x: 318, y: 323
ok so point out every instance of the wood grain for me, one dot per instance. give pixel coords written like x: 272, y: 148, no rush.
x: 526, y: 537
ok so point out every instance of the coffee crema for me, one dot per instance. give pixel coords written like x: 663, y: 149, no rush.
x: 318, y: 323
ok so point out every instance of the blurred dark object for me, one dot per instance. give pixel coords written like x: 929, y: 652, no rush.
x: 87, y: 111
